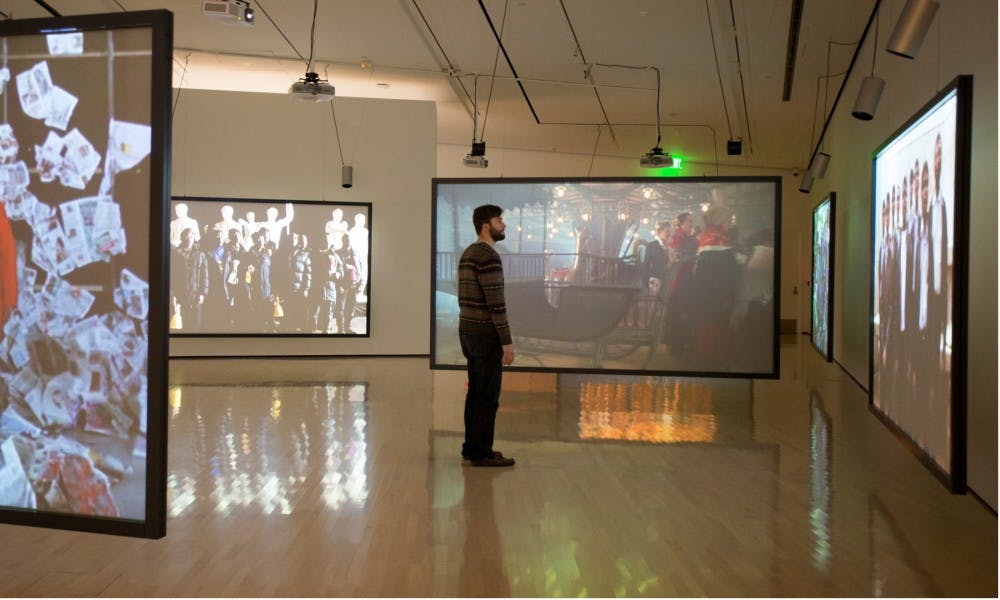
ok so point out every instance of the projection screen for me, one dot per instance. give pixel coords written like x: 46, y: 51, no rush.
x: 651, y: 275
x: 822, y: 275
x: 83, y: 155
x: 269, y: 267
x: 920, y: 207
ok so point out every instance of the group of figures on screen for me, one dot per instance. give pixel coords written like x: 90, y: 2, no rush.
x: 694, y: 292
x: 244, y: 276
x: 716, y: 287
x: 913, y: 345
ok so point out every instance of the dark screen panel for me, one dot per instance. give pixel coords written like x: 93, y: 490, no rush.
x: 269, y: 267
x: 918, y: 227
x: 822, y: 276
x: 83, y: 150
x: 671, y: 276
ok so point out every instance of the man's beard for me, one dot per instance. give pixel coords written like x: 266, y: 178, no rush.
x: 496, y: 234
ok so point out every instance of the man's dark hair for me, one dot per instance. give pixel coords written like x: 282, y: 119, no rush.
x: 483, y: 214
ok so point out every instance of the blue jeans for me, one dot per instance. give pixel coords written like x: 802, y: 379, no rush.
x: 484, y: 355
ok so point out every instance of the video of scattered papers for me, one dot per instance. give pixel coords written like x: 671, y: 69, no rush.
x: 74, y: 271
x: 269, y: 267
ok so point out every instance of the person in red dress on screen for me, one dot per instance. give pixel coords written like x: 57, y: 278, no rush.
x: 8, y: 269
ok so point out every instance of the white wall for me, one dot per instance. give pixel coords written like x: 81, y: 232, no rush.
x: 243, y: 145
x: 962, y: 40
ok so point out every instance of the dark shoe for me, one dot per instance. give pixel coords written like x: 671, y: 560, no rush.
x: 466, y: 457
x: 497, y: 460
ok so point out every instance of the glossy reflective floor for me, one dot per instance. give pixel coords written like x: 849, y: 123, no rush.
x: 342, y: 478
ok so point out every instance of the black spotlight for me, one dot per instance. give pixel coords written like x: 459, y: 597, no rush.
x: 734, y: 147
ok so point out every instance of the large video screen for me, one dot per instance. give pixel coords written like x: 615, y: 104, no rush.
x: 665, y: 276
x: 269, y: 267
x: 83, y: 151
x: 919, y: 207
x: 822, y: 276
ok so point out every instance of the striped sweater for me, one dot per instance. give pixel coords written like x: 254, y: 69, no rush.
x: 482, y: 310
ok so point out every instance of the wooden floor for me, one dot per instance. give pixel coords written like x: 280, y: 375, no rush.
x: 343, y: 478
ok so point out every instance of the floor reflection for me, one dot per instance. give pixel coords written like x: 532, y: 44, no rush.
x: 255, y: 448
x: 820, y: 464
x: 647, y: 412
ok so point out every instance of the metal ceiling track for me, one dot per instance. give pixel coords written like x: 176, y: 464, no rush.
x: 46, y: 6
x: 510, y: 64
x: 843, y: 84
x: 792, y: 52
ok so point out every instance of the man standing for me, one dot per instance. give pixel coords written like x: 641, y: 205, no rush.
x: 484, y: 334
x: 301, y: 269
x: 190, y: 280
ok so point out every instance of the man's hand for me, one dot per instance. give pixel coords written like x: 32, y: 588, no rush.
x: 508, y: 354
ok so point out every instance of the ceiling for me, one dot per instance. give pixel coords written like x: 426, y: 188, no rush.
x: 556, y: 47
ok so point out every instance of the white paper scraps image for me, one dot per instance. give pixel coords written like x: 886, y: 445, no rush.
x: 33, y: 87
x: 8, y: 143
x: 65, y: 43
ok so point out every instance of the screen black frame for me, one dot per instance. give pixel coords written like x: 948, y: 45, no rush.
x: 272, y: 201
x: 955, y: 480
x: 827, y: 352
x: 776, y: 180
x: 160, y: 23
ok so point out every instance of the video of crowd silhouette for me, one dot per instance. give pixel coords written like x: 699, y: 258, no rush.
x: 665, y: 276
x: 914, y: 210
x: 269, y: 267
x: 822, y: 276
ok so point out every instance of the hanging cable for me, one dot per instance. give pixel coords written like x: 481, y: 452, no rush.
x: 496, y: 58
x: 739, y: 63
x: 658, y: 87
x: 819, y: 80
x: 475, y: 107
x: 718, y: 70
x: 583, y: 59
x: 593, y: 155
x: 312, y: 36
x: 290, y: 44
x: 451, y: 67
x: 180, y: 85
x: 333, y: 113
x: 875, y: 45
x: 120, y: 6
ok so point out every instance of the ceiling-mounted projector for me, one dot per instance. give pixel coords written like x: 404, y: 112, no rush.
x: 477, y: 158
x: 656, y: 158
x: 312, y: 88
x: 231, y: 12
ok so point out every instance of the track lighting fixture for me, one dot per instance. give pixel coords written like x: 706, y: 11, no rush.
x: 807, y: 182
x: 868, y: 97
x: 819, y: 164
x: 911, y: 28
